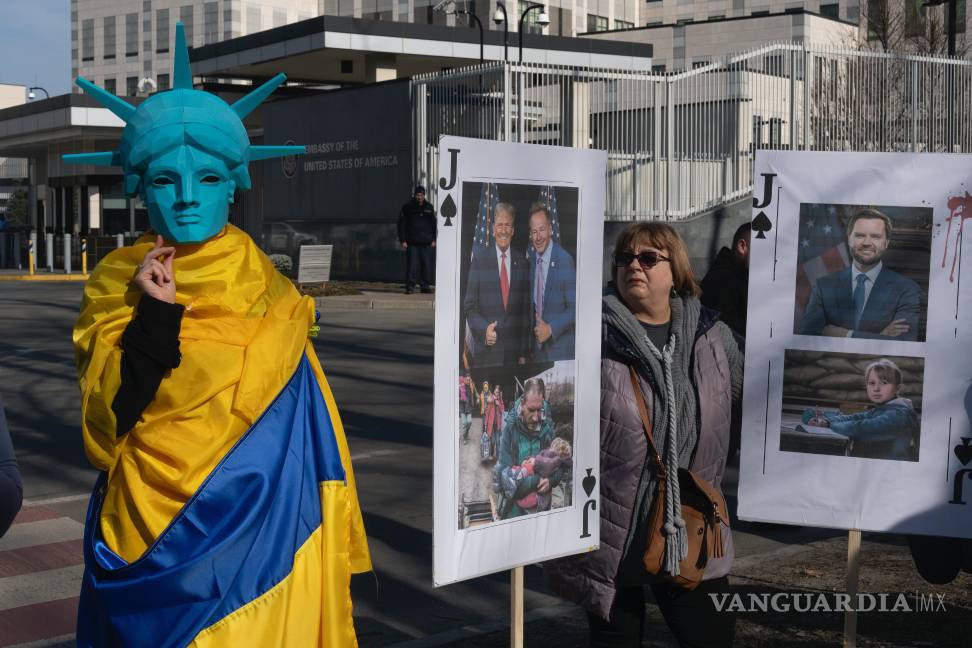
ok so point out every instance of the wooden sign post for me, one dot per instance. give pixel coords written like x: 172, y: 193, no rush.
x: 853, y: 579
x: 516, y: 607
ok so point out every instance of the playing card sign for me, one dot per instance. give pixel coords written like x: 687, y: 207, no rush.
x: 517, y: 354
x: 858, y: 391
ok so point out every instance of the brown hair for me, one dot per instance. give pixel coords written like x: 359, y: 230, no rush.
x: 661, y: 237
x: 870, y: 214
x: 539, y: 207
x: 885, y: 370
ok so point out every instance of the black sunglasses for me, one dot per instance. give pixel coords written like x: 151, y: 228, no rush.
x: 647, y: 259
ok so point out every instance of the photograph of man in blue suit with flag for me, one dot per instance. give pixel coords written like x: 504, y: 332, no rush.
x: 553, y: 285
x: 865, y: 299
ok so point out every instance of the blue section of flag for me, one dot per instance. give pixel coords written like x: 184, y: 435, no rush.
x: 488, y: 198
x: 820, y: 231
x: 549, y: 200
x: 233, y: 541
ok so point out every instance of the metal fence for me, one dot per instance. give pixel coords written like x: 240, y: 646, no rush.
x: 679, y: 144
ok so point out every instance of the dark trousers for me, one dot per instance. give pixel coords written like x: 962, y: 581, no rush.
x: 419, y: 265
x: 690, y: 615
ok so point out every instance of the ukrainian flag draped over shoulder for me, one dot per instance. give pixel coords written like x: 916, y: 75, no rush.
x: 228, y: 515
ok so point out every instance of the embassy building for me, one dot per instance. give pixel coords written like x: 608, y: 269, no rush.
x: 348, y: 99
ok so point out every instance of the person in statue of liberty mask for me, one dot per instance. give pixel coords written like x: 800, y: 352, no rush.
x: 226, y: 510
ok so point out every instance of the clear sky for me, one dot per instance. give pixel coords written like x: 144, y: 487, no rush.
x: 35, y: 44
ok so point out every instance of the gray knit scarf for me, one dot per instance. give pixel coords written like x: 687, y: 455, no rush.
x: 674, y: 403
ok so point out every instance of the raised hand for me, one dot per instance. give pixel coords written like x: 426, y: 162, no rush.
x: 491, y: 334
x: 155, y: 275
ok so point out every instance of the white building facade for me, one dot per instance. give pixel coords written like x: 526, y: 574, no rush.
x: 118, y: 43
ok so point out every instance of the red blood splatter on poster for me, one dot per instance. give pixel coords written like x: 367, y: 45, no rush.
x: 960, y: 208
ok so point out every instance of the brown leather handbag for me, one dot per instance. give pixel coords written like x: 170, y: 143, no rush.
x: 703, y: 509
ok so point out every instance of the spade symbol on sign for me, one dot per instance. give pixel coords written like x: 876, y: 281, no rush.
x: 448, y: 210
x: 762, y: 225
x: 590, y: 481
x: 964, y: 451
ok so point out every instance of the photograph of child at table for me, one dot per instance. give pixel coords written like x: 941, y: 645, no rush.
x: 852, y: 404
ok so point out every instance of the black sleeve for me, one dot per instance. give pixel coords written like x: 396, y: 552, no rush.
x: 150, y: 348
x: 11, y: 487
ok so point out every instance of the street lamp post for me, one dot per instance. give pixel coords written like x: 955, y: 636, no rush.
x: 31, y: 95
x: 499, y: 16
x: 542, y: 19
x: 952, y: 20
x: 475, y: 18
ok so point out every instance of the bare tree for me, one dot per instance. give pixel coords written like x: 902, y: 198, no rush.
x: 906, y: 26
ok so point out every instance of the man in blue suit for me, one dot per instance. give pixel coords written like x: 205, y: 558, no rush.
x: 553, y: 288
x: 867, y: 299
x: 496, y: 302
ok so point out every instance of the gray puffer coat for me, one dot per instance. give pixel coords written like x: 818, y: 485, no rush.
x: 713, y: 369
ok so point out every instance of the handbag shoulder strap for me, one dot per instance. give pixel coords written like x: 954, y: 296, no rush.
x: 645, y: 421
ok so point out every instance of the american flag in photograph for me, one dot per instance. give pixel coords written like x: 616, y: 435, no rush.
x: 488, y: 197
x: 549, y: 200
x: 822, y: 248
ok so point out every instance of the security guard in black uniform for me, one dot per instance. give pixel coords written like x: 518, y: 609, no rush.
x: 417, y: 233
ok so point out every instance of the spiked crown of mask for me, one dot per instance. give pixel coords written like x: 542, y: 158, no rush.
x: 182, y: 116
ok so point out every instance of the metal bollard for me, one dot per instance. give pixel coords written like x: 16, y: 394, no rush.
x: 84, y: 256
x: 67, y: 254
x: 119, y: 240
x: 16, y: 251
x: 49, y: 249
x: 32, y: 252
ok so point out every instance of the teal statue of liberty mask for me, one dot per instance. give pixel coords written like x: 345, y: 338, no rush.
x: 184, y: 151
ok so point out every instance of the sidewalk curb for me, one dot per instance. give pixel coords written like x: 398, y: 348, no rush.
x: 370, y: 302
x: 44, y: 277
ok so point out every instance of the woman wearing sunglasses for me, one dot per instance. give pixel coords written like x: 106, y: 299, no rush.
x: 689, y: 369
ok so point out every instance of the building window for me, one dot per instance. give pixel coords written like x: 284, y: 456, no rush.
x: 596, y: 23
x: 683, y: 21
x: 658, y: 69
x: 654, y: 23
x: 762, y: 12
x: 623, y: 24
x: 914, y: 17
x: 346, y: 8
x: 87, y: 39
x: 211, y: 22
x: 131, y: 34
x: 253, y: 20
x: 162, y: 30
x: 109, y: 38
x: 185, y: 17
x: 163, y: 82
x: 716, y: 18
x: 698, y: 64
x: 377, y: 9
x: 131, y: 86
x: 876, y: 23
x: 110, y: 85
x: 830, y: 11
x: 279, y: 17
x: 403, y: 15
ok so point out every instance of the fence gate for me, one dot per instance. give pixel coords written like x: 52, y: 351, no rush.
x: 680, y: 144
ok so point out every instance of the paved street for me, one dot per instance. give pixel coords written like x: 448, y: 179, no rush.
x: 379, y: 363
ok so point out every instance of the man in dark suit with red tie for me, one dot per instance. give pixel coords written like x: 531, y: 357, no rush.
x: 497, y: 297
